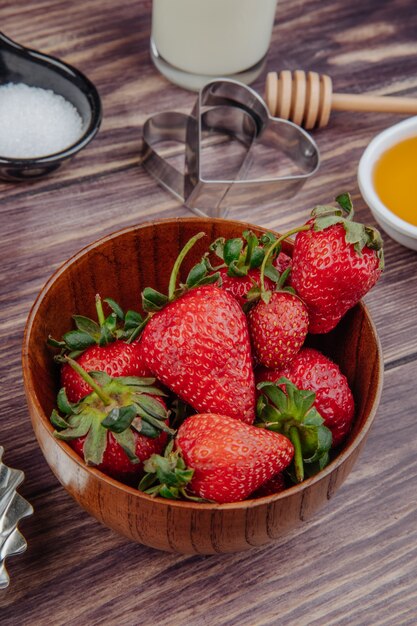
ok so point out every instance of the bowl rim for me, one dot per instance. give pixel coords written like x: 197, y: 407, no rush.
x: 195, y: 506
x: 378, y: 145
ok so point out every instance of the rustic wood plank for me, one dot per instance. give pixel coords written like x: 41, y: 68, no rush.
x: 355, y: 562
x: 356, y: 557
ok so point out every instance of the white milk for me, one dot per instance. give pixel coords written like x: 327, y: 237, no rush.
x: 212, y: 37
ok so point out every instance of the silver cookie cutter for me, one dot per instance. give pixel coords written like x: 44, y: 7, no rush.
x: 13, y: 507
x: 229, y: 108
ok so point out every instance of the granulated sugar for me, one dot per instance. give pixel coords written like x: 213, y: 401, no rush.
x: 35, y: 122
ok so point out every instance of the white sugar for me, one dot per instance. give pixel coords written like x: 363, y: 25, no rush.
x: 35, y: 122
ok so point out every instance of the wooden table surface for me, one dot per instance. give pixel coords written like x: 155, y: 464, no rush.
x: 356, y: 561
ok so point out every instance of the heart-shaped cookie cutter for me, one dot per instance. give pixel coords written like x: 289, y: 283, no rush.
x: 230, y: 108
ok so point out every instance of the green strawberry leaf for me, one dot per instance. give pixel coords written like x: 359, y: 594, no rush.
x: 102, y: 378
x: 119, y: 418
x: 322, y: 445
x: 236, y: 269
x: 144, y: 428
x: 251, y: 243
x: 167, y: 475
x: 115, y: 308
x: 266, y: 295
x: 254, y: 293
x: 210, y: 280
x: 153, y: 300
x: 86, y: 325
x: 345, y: 202
x: 292, y: 413
x: 271, y: 415
x: 356, y: 235
x: 283, y: 279
x: 157, y: 423
x: 274, y: 393
x: 256, y: 258
x: 151, y: 406
x: 64, y: 405
x: 54, y: 343
x: 126, y: 440
x: 132, y: 320
x: 217, y: 247
x: 323, y: 210
x: 320, y: 223
x: 77, y: 428
x: 272, y: 273
x: 196, y: 274
x: 106, y: 333
x: 232, y: 250
x: 95, y: 444
x: 78, y: 340
x: 268, y: 239
x: 58, y: 421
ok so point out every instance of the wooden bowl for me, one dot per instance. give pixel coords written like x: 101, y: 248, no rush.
x: 120, y: 265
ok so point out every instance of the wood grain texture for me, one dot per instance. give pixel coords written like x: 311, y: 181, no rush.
x: 355, y: 561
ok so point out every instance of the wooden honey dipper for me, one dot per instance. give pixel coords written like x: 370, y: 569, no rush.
x: 307, y: 99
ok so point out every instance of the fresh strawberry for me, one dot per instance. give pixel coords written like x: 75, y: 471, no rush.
x: 116, y: 359
x: 101, y: 346
x: 241, y: 258
x: 282, y: 262
x: 239, y: 286
x: 116, y: 463
x: 278, y: 328
x: 199, y: 347
x: 197, y: 343
x: 276, y: 484
x: 335, y: 263
x: 314, y: 371
x: 284, y: 408
x: 226, y: 460
x: 120, y: 424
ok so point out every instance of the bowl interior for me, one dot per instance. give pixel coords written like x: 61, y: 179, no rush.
x: 120, y: 266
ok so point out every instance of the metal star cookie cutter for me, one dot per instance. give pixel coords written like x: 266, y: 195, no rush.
x: 235, y: 110
x: 13, y: 507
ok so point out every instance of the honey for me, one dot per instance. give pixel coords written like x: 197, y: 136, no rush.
x: 395, y: 179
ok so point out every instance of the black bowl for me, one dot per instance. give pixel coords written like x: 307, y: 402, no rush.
x: 22, y: 65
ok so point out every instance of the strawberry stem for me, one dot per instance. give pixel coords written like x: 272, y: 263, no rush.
x: 294, y: 437
x: 274, y: 246
x: 177, y: 264
x: 89, y: 380
x: 99, y: 309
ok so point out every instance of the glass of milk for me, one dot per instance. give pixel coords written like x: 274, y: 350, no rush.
x: 195, y: 41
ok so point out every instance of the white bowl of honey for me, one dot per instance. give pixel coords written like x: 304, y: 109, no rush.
x: 387, y: 178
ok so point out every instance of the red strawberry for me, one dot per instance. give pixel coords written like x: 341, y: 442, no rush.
x: 101, y: 346
x: 228, y: 459
x: 238, y: 286
x: 278, y: 328
x: 116, y: 359
x: 115, y: 461
x: 120, y: 424
x: 314, y: 371
x: 242, y: 258
x: 282, y: 262
x: 334, y: 264
x: 276, y: 484
x: 199, y: 346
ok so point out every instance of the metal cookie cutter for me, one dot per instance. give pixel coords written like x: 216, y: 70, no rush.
x: 230, y: 109
x: 13, y: 507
